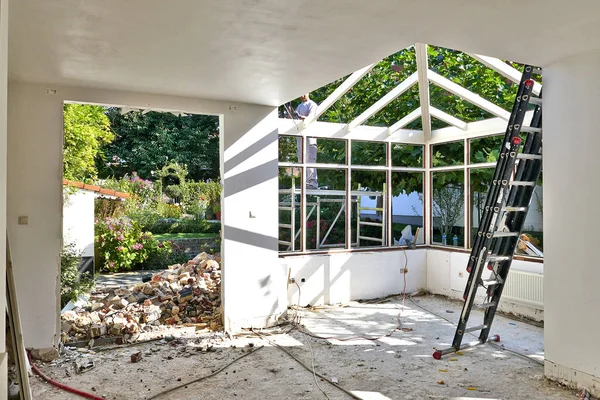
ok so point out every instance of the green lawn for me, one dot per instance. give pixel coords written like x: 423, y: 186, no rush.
x: 170, y: 236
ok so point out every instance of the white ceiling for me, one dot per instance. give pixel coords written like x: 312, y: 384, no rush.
x: 270, y: 51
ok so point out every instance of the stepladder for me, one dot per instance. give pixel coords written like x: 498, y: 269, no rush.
x: 500, y: 228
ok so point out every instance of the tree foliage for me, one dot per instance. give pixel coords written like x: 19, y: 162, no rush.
x: 86, y: 130
x: 147, y: 142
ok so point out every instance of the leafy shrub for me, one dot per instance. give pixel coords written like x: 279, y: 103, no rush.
x: 104, y: 208
x: 165, y: 210
x: 160, y: 260
x: 186, y: 225
x: 121, y: 245
x: 72, y: 285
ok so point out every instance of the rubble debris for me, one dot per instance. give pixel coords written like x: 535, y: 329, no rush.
x: 182, y: 295
x: 136, y: 357
x: 45, y: 355
x: 84, y: 364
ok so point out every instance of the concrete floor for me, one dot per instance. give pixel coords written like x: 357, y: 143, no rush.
x: 396, y: 367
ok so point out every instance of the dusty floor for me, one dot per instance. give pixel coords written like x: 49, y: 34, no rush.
x: 396, y: 367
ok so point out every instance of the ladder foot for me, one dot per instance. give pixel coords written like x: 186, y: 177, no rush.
x: 437, y: 355
x: 495, y: 338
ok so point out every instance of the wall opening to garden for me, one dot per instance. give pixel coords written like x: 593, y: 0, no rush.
x: 141, y: 194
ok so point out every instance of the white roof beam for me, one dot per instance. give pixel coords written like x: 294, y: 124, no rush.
x: 504, y: 69
x: 384, y: 101
x: 447, y: 118
x: 467, y: 95
x: 486, y: 127
x: 407, y: 119
x: 424, y: 100
x: 342, y: 89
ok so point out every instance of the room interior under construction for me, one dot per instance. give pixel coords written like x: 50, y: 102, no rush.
x: 344, y: 274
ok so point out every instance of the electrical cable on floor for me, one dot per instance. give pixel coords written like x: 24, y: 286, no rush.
x: 254, y: 350
x: 61, y: 385
x: 349, y: 393
x: 491, y: 343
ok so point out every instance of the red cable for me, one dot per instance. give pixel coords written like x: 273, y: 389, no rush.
x: 60, y: 385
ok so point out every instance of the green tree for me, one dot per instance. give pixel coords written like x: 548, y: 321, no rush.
x: 87, y: 130
x: 147, y: 142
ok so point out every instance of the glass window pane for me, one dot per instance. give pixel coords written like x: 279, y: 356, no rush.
x: 480, y: 181
x: 288, y: 149
x: 329, y: 151
x: 448, y: 206
x: 446, y: 154
x: 368, y: 209
x: 326, y: 211
x: 368, y: 153
x: 289, y: 209
x: 533, y: 228
x: 485, y: 150
x: 407, y: 155
x: 407, y: 208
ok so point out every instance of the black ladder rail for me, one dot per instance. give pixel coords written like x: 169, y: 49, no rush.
x: 507, y: 203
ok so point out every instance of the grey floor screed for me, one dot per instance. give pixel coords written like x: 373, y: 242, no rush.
x: 396, y: 367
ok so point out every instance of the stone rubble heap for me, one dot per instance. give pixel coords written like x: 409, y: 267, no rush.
x: 188, y: 294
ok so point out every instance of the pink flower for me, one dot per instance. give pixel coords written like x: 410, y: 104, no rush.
x: 138, y: 246
x: 120, y: 248
x: 111, y: 264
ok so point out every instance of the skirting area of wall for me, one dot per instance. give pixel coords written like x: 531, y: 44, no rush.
x: 338, y: 278
x: 342, y: 277
x: 572, y: 378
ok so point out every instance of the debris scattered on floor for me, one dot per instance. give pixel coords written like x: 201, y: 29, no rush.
x: 136, y: 357
x: 181, y: 295
x: 84, y: 364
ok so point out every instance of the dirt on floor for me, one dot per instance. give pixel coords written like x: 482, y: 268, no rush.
x: 397, y: 364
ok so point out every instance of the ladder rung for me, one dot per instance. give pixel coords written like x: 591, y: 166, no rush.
x: 522, y: 183
x: 515, y: 209
x: 531, y: 129
x: 484, y: 305
x: 535, y: 100
x: 289, y: 226
x: 379, y: 224
x: 475, y: 328
x: 491, y: 282
x: 505, y: 234
x: 526, y: 156
x: 498, y: 258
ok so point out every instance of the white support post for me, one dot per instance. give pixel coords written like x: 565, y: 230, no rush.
x: 302, y: 198
x: 467, y: 196
x: 427, y: 196
x: 389, y: 215
x: 384, y: 101
x: 407, y: 119
x: 467, y: 95
x: 504, y: 69
x: 422, y: 68
x: 449, y: 119
x: 348, y: 195
x: 341, y: 90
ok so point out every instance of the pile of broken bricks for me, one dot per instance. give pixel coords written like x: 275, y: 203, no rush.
x: 181, y: 295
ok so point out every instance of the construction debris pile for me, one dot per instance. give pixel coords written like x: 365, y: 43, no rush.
x: 188, y: 294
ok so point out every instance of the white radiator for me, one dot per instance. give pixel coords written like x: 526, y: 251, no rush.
x: 525, y: 287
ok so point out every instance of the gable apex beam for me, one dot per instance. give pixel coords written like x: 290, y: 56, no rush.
x: 447, y: 118
x: 407, y: 119
x: 467, y: 95
x: 505, y: 70
x: 384, y: 101
x: 424, y: 100
x: 341, y: 90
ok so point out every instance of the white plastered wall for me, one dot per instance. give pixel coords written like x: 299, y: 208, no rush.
x: 249, y: 169
x: 342, y: 277
x: 571, y: 165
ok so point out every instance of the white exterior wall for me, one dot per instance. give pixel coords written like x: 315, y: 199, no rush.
x: 78, y: 221
x: 249, y: 165
x: 447, y: 275
x: 339, y: 278
x: 572, y: 275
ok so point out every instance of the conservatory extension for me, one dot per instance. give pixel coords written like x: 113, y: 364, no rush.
x: 406, y: 151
